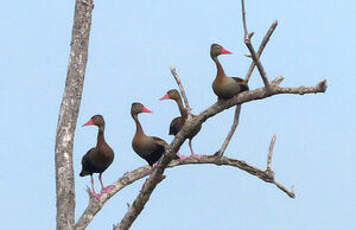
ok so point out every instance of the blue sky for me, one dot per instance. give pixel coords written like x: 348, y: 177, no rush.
x: 131, y: 46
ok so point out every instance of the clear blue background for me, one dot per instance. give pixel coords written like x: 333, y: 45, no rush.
x: 132, y: 44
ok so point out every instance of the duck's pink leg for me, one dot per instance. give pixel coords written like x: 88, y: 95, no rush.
x: 104, y: 189
x: 196, y: 156
x: 181, y: 157
x: 93, y: 193
x: 155, y: 165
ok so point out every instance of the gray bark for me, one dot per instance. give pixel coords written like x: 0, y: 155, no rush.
x: 68, y: 115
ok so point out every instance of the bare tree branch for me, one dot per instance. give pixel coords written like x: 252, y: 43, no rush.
x: 181, y: 89
x: 257, y: 62
x: 261, y: 48
x: 131, y: 177
x: 270, y: 150
x: 147, y: 189
x: 231, y: 132
x: 290, y: 192
x: 244, y: 17
x: 220, y: 152
x: 128, y: 178
x: 247, y: 40
x: 68, y: 115
x: 256, y: 94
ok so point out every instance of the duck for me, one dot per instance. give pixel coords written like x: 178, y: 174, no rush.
x: 177, y: 123
x: 98, y: 158
x: 149, y: 148
x: 223, y: 86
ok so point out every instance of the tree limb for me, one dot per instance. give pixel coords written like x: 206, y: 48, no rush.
x: 247, y: 40
x: 68, y: 115
x: 257, y: 61
x: 244, y: 17
x: 128, y: 178
x: 220, y: 152
x: 181, y: 89
x: 270, y: 150
x: 231, y: 132
x: 261, y: 48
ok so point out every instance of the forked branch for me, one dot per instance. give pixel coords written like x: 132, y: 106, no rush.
x: 247, y: 40
x: 231, y: 132
x: 261, y: 48
x: 181, y: 88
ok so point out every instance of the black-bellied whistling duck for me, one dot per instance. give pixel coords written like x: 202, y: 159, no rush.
x: 225, y: 87
x: 178, y: 122
x: 147, y: 147
x: 99, y: 158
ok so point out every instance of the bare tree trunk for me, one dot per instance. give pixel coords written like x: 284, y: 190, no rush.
x: 68, y: 115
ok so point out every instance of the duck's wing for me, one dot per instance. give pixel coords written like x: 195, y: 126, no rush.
x: 241, y: 82
x: 175, y: 126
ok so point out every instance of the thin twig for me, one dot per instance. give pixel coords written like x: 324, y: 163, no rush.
x: 277, y: 81
x: 181, y: 89
x: 290, y: 192
x: 244, y: 17
x: 257, y: 62
x: 247, y: 40
x: 261, y: 48
x: 231, y: 132
x: 270, y: 150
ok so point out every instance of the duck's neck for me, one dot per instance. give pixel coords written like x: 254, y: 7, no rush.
x: 182, y: 110
x: 220, y: 74
x: 100, y: 137
x: 139, y: 130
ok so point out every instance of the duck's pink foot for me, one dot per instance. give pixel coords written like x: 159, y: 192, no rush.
x: 196, y: 156
x: 96, y: 195
x: 155, y: 165
x: 181, y: 157
x: 107, y: 189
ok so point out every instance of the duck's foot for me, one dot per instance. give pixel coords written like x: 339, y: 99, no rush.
x: 107, y: 189
x: 181, y: 157
x: 96, y: 195
x: 155, y: 165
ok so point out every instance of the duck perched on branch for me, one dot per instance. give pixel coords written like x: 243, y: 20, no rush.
x: 225, y: 87
x: 147, y: 147
x: 99, y: 158
x: 178, y: 122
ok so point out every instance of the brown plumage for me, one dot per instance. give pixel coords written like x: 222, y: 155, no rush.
x: 178, y: 122
x: 147, y: 147
x: 99, y: 158
x: 225, y: 87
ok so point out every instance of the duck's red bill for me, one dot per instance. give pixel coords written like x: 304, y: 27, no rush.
x: 145, y: 110
x: 224, y: 51
x: 90, y: 122
x: 164, y: 97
